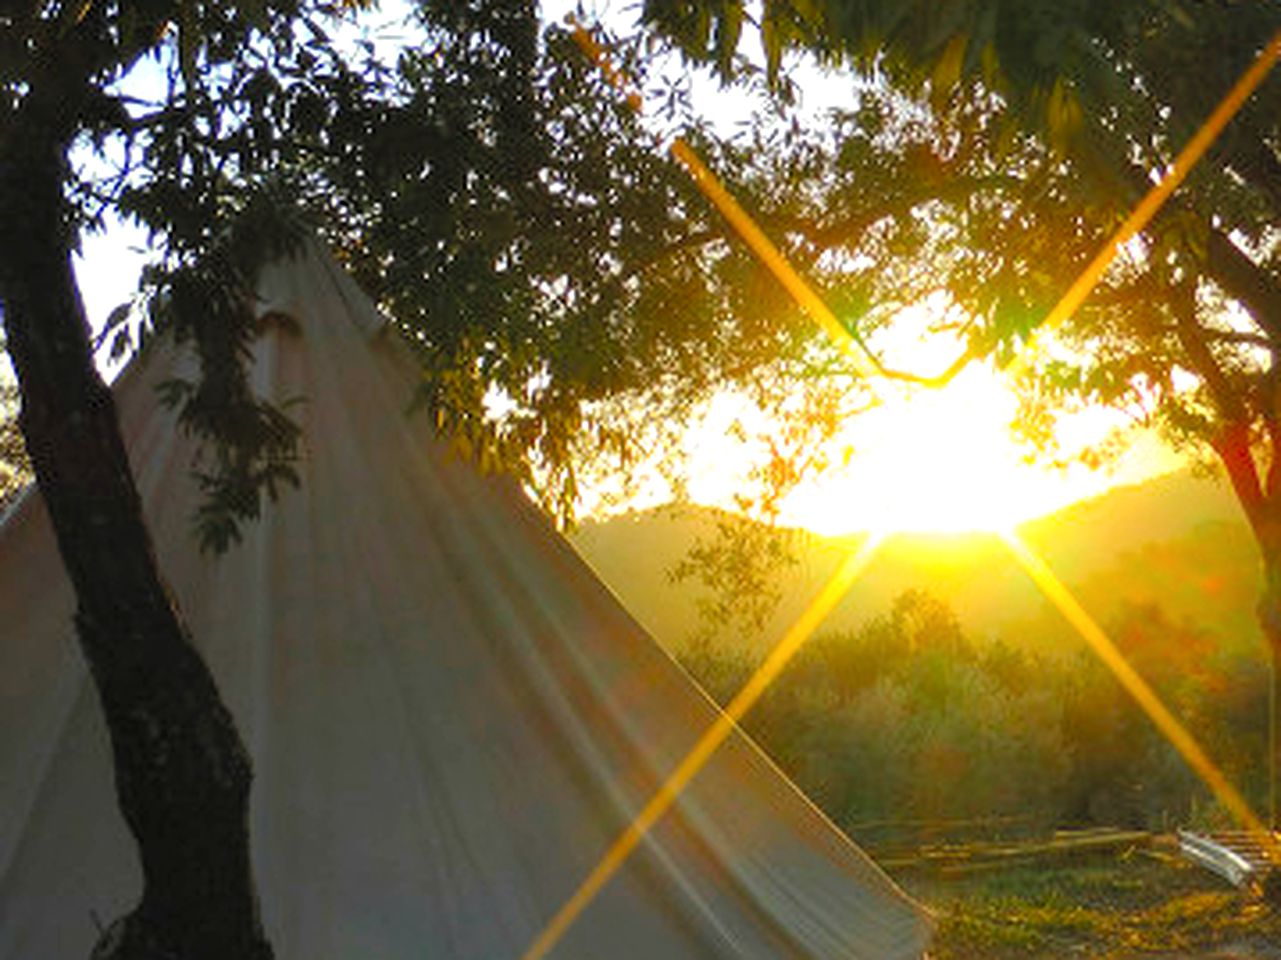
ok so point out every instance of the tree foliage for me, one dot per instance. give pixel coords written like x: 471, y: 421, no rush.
x: 563, y: 283
x: 1048, y: 122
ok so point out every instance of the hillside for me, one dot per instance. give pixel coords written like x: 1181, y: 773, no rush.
x: 1178, y: 542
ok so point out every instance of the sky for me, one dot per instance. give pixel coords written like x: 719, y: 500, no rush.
x: 928, y: 460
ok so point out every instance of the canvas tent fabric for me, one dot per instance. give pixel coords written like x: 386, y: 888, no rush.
x: 451, y: 718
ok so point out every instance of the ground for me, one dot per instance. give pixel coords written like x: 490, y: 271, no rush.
x: 1139, y: 904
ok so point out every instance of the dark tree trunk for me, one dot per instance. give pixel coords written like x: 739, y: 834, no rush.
x: 1263, y: 510
x: 182, y: 773
x: 1269, y: 612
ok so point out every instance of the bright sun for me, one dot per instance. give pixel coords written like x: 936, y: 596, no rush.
x: 931, y: 460
x: 944, y: 461
x: 922, y: 461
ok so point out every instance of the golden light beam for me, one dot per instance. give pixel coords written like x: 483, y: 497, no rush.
x: 775, y: 262
x: 1143, y: 694
x: 740, y: 220
x: 726, y: 721
x: 1155, y: 197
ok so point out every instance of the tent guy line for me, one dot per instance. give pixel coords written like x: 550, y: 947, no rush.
x: 756, y: 239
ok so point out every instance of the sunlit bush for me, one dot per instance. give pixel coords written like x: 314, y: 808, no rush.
x: 908, y: 720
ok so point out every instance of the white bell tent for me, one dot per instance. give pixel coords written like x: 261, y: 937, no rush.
x: 451, y: 718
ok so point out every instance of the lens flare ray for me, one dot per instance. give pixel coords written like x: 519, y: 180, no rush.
x: 1154, y: 199
x: 1140, y: 691
x: 741, y: 221
x: 724, y: 724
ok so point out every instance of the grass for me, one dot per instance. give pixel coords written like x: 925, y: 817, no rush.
x: 1115, y: 907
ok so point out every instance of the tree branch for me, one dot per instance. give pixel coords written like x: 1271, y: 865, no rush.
x: 1239, y: 276
x: 1232, y: 445
x: 938, y: 380
x: 1246, y: 281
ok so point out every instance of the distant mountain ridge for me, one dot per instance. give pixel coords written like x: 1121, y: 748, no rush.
x: 1178, y: 541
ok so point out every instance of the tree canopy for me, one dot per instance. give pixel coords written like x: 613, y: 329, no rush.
x: 1039, y: 128
x: 569, y: 293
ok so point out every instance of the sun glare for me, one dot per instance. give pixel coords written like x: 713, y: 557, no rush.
x: 928, y: 460
x: 944, y: 461
x: 924, y: 461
